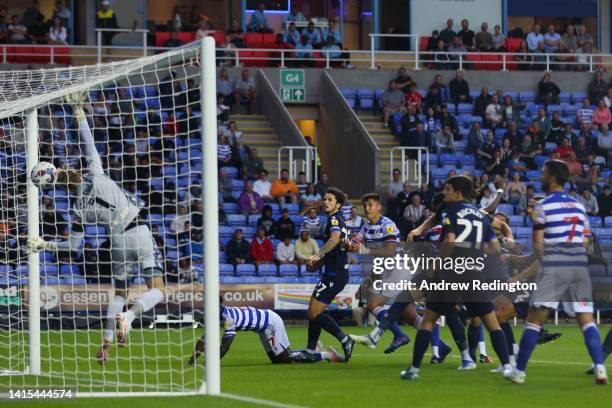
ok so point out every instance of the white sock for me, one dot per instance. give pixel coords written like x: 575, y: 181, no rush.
x: 600, y: 367
x: 465, y: 355
x: 111, y: 312
x: 144, y: 303
x: 482, y: 347
x: 515, y: 349
x: 434, y: 351
x: 376, y: 334
x: 512, y: 361
x: 417, y: 322
x: 326, y: 355
x: 508, y: 367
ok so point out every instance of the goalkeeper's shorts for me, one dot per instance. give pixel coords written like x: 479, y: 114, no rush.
x: 135, y: 253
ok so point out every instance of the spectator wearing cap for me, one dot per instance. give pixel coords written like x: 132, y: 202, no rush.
x: 266, y: 221
x: 284, y: 226
x: 262, y: 186
x: 284, y: 189
x: 285, y: 252
x: 250, y: 202
x: 262, y: 250
x: 305, y: 247
x: 237, y: 250
x: 604, y: 202
x: 106, y: 18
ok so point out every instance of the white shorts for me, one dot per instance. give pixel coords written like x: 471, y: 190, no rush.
x: 570, y: 286
x: 391, y: 276
x: 274, y: 338
x: 135, y: 251
x: 571, y: 308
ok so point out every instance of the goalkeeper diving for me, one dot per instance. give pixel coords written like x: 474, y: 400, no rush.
x: 100, y: 201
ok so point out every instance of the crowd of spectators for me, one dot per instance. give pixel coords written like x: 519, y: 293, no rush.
x: 35, y: 28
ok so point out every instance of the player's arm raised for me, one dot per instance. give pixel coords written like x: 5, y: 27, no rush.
x: 94, y: 163
x: 73, y: 243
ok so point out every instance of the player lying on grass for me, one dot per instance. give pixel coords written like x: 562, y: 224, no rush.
x: 379, y: 237
x: 102, y: 202
x: 561, y: 233
x: 272, y: 334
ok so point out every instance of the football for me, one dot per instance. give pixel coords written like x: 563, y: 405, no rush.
x: 44, y: 175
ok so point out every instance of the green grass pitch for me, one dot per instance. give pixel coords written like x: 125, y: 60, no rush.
x: 555, y: 376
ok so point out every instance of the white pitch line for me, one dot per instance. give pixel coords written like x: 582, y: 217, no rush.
x: 258, y: 401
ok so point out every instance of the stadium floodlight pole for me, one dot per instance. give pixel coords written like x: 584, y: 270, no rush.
x: 33, y: 258
x: 208, y: 92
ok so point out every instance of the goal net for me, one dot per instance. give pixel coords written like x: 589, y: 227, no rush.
x: 59, y: 306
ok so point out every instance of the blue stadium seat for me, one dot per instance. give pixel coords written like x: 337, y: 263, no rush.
x: 514, y: 95
x: 379, y: 94
x: 351, y: 97
x: 366, y: 98
x: 474, y: 94
x: 523, y: 232
x: 288, y: 270
x: 297, y: 219
x: 533, y: 174
x: 236, y: 220
x: 517, y: 220
x: 596, y: 222
x: 222, y: 257
x: 448, y: 159
x: 608, y: 221
x: 249, y: 231
x: 254, y: 280
x: 577, y: 97
x: 555, y: 108
x: 226, y: 231
x: 465, y: 109
x: 507, y: 209
x: 597, y: 270
x: 69, y: 269
x: 527, y: 96
x: 48, y: 269
x: 293, y: 208
x: 354, y: 269
x: 232, y: 172
x: 231, y: 208
x: 602, y: 233
x: 565, y: 97
x: 231, y: 280
x: 267, y: 270
x: 226, y: 269
x: 73, y: 280
x: 50, y: 280
x: 246, y: 270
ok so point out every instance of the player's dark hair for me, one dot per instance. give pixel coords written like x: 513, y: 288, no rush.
x: 437, y: 200
x: 370, y: 196
x: 558, y: 170
x: 463, y: 185
x: 336, y: 192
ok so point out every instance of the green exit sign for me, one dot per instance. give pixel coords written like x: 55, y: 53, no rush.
x: 292, y: 78
x: 293, y: 94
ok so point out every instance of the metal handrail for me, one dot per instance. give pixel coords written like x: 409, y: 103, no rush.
x: 405, y: 164
x: 306, y: 164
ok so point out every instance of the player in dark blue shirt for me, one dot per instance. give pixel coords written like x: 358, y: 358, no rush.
x: 335, y: 277
x: 465, y: 229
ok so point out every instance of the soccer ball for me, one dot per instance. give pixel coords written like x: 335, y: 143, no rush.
x: 44, y: 175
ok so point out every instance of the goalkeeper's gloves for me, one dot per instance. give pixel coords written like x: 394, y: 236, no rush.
x: 38, y: 244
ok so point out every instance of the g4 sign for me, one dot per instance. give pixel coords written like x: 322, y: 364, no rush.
x: 292, y: 78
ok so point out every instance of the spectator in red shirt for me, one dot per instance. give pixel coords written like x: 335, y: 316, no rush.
x: 261, y: 248
x: 565, y: 149
x: 413, y: 98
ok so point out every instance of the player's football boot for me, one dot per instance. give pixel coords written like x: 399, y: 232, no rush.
x: 336, y: 357
x: 516, y: 376
x: 194, y: 357
x: 467, y: 365
x: 348, y: 347
x: 547, y: 337
x: 363, y: 340
x: 443, y: 352
x: 409, y: 374
x: 124, y: 329
x: 590, y: 371
x: 102, y: 356
x: 601, y: 376
x: 484, y: 359
x: 397, y: 343
x: 304, y: 357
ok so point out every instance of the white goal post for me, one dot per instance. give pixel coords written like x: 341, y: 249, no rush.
x: 153, y: 122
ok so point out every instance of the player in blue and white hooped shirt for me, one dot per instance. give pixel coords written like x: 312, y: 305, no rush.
x: 271, y: 330
x: 560, y: 234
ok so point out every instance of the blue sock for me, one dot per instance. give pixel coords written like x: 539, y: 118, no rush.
x: 435, y: 336
x: 472, y: 338
x: 498, y: 339
x: 481, y: 336
x: 381, y: 315
x: 593, y: 342
x: 457, y: 330
x: 421, y: 343
x: 528, y: 342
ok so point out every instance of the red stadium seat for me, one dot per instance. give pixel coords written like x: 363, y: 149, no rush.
x: 219, y: 37
x: 423, y: 43
x: 23, y: 55
x: 253, y: 39
x: 511, y: 64
x: 513, y: 44
x: 268, y: 39
x: 474, y: 59
x: 490, y: 62
x: 61, y: 55
x: 256, y: 58
x: 42, y: 55
x: 161, y: 37
x: 319, y: 59
x: 10, y: 53
x: 185, y: 37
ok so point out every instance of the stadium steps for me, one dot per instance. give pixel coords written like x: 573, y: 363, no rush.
x: 258, y: 133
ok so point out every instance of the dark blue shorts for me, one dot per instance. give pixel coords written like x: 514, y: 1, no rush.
x: 521, y: 309
x: 474, y: 309
x: 328, y: 287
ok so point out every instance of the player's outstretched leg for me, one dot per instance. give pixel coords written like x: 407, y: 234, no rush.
x: 143, y: 304
x: 109, y: 332
x: 547, y: 337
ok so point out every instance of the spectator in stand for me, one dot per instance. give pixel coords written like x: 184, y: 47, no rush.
x: 413, y: 214
x: 447, y: 119
x: 312, y: 223
x: 224, y: 152
x: 262, y: 186
x: 403, y: 80
x: 204, y: 30
x: 3, y: 24
x: 354, y: 222
x: 285, y: 190
x: 585, y: 114
x: 259, y: 20
x: 604, y: 202
x: 516, y: 188
x: 253, y: 165
x: 232, y: 134
x: 311, y: 198
x: 565, y: 149
x: 332, y: 31
x: 413, y: 98
x: 551, y: 40
x: 284, y: 226
x: 556, y: 129
x: 468, y: 38
x: 292, y: 35
x: 332, y: 49
x: 448, y: 33
x: 459, y: 89
x: 173, y: 41
x: 418, y: 138
x: 402, y: 200
x: 570, y: 40
x: 481, y: 102
x: 305, y: 247
x: 544, y: 125
x: 17, y: 32
x: 408, y: 122
x: 522, y: 57
x: 38, y: 31
x: 528, y: 150
x: 548, y: 91
x: 604, y: 144
x: 485, y: 154
x: 303, y: 53
x: 32, y: 14
x: 602, y: 114
x: 484, y: 39
x: 441, y: 57
x: 322, y: 185
x: 285, y: 252
x: 534, y: 38
x: 493, y: 113
x: 442, y: 89
x: 106, y: 18
x: 475, y: 139
x: 301, y: 183
x: 393, y: 189
x: 224, y: 87
x: 432, y: 42
x: 245, y: 93
x: 393, y: 102
x: 582, y: 149
x: 513, y: 134
x: 58, y: 33
x: 585, y: 40
x: 235, y: 34
x: 597, y: 88
x: 499, y: 39
x: 444, y: 141
x: 510, y: 111
x: 294, y: 15
x: 586, y: 131
x: 237, y: 250
x: 313, y: 35
x: 177, y: 225
x: 250, y: 202
x: 590, y: 202
x: 456, y: 47
x: 226, y: 186
x: 432, y: 123
x: 266, y: 221
x: 64, y: 14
